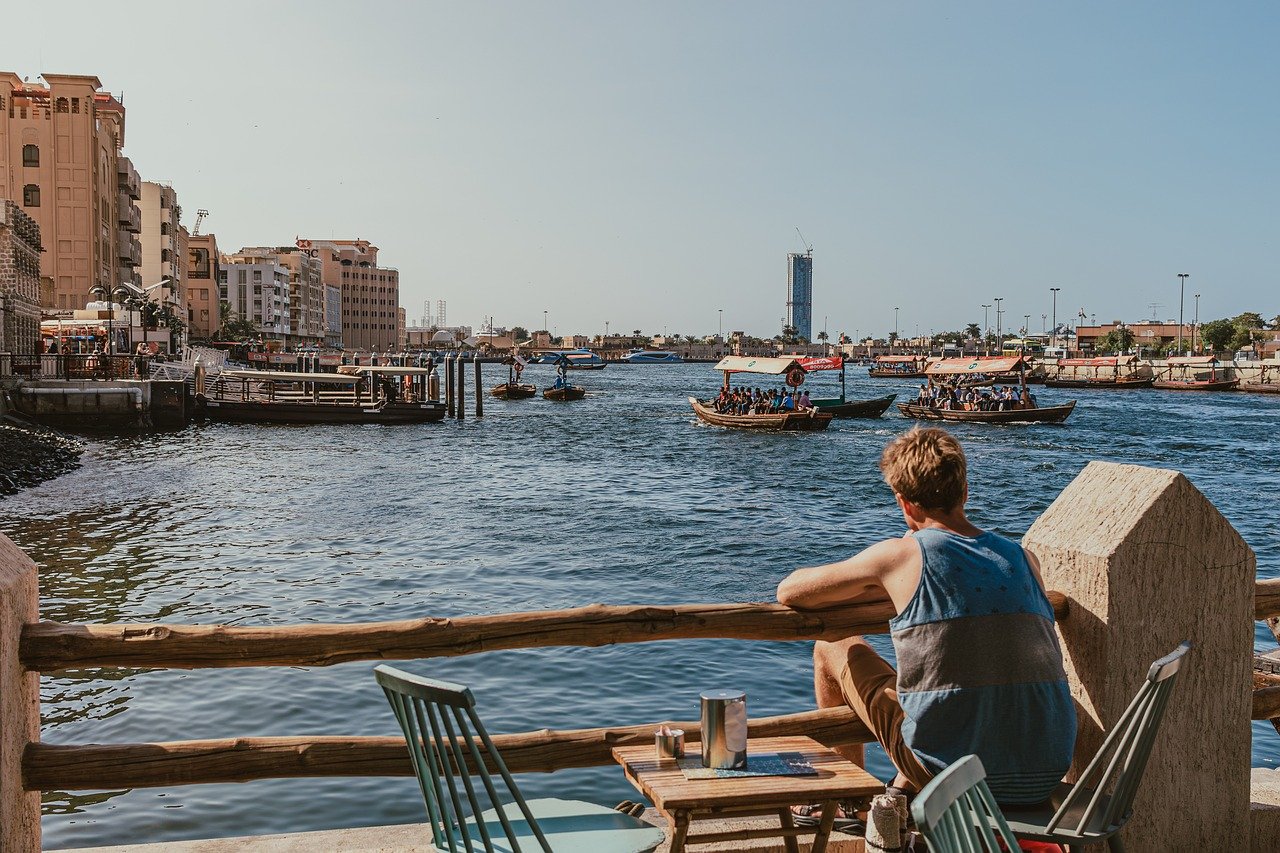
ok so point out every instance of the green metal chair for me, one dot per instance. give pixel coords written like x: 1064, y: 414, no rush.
x: 438, y: 719
x: 957, y: 814
x: 1082, y: 814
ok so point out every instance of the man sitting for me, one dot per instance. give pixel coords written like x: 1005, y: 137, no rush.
x: 980, y: 670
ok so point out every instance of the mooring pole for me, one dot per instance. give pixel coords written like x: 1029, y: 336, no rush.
x: 448, y: 384
x: 462, y: 390
x: 479, y: 394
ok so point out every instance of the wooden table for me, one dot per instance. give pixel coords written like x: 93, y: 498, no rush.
x: 683, y: 800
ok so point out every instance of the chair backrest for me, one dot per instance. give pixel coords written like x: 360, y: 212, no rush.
x: 957, y: 814
x: 438, y: 719
x: 1122, y: 758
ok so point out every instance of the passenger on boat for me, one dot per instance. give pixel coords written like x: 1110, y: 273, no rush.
x: 788, y: 403
x: 804, y: 404
x: 955, y: 690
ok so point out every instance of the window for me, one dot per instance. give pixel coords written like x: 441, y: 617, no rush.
x: 31, y: 155
x: 257, y: 275
x: 164, y: 256
x: 242, y: 276
x: 75, y: 105
x: 60, y: 106
x: 31, y: 195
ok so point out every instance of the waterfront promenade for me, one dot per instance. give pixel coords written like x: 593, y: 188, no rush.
x: 626, y: 502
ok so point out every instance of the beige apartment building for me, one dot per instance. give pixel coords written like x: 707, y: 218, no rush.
x: 19, y: 280
x: 203, y: 300
x: 164, y: 249
x: 61, y: 161
x: 255, y: 285
x: 370, y: 293
x: 306, y: 302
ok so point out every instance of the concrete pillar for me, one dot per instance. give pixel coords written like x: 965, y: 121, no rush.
x: 20, y: 708
x: 1146, y: 561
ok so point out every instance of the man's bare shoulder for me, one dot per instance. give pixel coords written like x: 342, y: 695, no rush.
x: 889, y: 553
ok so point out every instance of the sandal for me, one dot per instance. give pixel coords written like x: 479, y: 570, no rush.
x: 811, y: 815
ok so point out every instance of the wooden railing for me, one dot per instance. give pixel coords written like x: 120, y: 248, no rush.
x: 47, y: 647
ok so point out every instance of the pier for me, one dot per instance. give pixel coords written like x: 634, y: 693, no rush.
x: 1138, y: 560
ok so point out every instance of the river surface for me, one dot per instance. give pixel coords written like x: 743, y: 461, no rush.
x: 622, y: 498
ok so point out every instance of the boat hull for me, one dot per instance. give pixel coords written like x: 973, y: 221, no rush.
x: 514, y: 391
x: 1139, y: 382
x: 896, y: 374
x: 1046, y: 415
x: 1259, y: 387
x: 275, y: 412
x: 856, y: 408
x: 1216, y: 385
x: 562, y: 395
x: 811, y: 421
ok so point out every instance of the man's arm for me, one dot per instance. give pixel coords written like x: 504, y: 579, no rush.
x: 859, y: 578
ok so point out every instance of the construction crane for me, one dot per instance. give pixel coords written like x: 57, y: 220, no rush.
x: 200, y: 215
x: 808, y: 247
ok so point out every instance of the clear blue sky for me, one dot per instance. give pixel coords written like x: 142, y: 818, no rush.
x: 647, y: 163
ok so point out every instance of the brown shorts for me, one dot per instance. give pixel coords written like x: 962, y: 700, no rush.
x: 869, y: 685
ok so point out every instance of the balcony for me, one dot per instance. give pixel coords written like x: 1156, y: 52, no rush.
x: 130, y: 250
x: 128, y: 178
x: 128, y: 215
x: 126, y: 275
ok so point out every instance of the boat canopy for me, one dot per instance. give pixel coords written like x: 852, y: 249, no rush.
x: 898, y: 359
x: 954, y: 366
x: 1192, y: 361
x: 749, y: 364
x: 834, y: 362
x: 383, y: 370
x: 290, y: 376
x: 1101, y: 361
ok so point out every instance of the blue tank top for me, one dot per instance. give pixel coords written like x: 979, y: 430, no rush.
x: 979, y: 667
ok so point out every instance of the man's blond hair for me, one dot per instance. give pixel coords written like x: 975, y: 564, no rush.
x: 927, y: 467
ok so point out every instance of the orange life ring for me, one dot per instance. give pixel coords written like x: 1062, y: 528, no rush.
x: 795, y: 377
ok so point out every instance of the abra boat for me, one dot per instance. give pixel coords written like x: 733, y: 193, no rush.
x: 582, y: 359
x: 899, y: 367
x: 513, y: 388
x: 1188, y: 373
x: 790, y: 367
x: 364, y: 394
x: 641, y: 356
x: 563, y: 390
x: 841, y: 407
x: 1264, y: 385
x: 1113, y: 371
x: 944, y: 373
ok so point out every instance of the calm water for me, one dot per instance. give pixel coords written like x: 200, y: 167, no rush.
x: 623, y: 498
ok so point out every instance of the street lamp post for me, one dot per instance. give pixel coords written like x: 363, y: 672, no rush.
x: 1055, y: 314
x: 1182, y: 287
x: 1026, y: 325
x: 999, y: 328
x: 895, y: 326
x: 986, y: 327
x: 1195, y: 327
x: 544, y: 322
x: 720, y: 311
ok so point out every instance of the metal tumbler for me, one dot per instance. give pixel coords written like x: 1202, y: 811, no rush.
x: 724, y: 729
x: 669, y: 744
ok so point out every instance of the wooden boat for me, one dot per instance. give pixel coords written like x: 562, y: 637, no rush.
x: 790, y: 367
x: 513, y: 388
x: 945, y: 371
x: 360, y: 395
x: 1181, y: 374
x: 1038, y: 415
x: 1114, y: 371
x: 842, y: 407
x: 1263, y: 386
x: 563, y: 390
x: 899, y: 367
x: 809, y: 421
x: 565, y: 393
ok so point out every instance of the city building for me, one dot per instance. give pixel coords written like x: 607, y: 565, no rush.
x: 1146, y: 334
x: 256, y: 287
x: 800, y: 293
x: 204, y: 314
x: 370, y: 293
x: 306, y: 292
x: 332, y: 316
x: 19, y: 280
x: 61, y: 159
x: 402, y: 328
x: 164, y: 249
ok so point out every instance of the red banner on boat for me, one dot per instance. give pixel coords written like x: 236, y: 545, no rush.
x: 834, y: 362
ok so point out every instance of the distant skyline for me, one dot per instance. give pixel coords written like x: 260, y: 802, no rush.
x: 648, y: 164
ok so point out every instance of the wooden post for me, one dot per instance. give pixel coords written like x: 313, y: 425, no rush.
x: 448, y: 384
x: 433, y: 386
x: 462, y: 389
x: 19, y: 702
x: 479, y: 393
x: 1145, y: 562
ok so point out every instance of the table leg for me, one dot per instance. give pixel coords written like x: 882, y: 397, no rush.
x: 824, y: 827
x: 784, y: 816
x: 679, y: 831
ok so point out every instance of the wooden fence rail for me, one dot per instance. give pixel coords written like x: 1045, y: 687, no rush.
x: 142, y: 765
